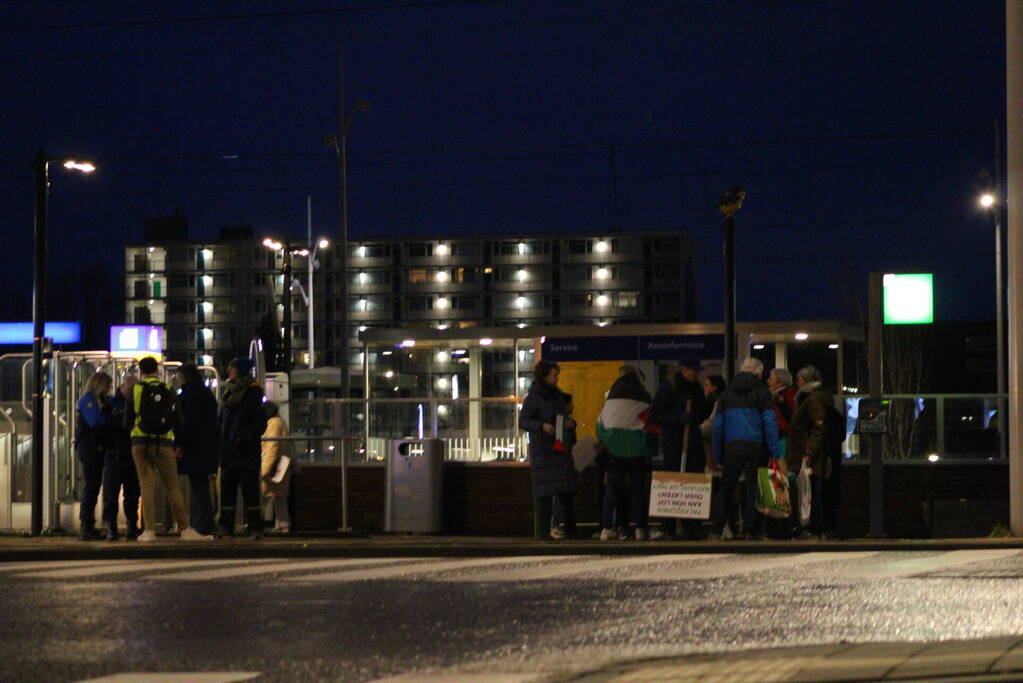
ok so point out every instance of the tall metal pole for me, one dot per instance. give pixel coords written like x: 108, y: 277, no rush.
x: 286, y: 297
x: 343, y: 245
x: 875, y: 358
x: 1014, y: 244
x: 41, y: 166
x: 312, y: 265
x: 999, y: 296
x: 729, y: 259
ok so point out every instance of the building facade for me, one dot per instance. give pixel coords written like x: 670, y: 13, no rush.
x: 215, y: 296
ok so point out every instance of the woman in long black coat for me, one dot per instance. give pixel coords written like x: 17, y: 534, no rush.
x: 196, y: 442
x: 550, y: 461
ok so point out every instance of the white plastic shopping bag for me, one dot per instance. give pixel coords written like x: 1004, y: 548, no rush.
x: 805, y: 494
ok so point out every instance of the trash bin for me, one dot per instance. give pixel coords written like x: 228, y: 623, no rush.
x: 414, y: 472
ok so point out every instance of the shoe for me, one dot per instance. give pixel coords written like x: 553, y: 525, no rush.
x: 255, y: 535
x: 622, y: 533
x: 147, y: 536
x: 807, y: 536
x: 642, y: 535
x: 607, y: 534
x: 558, y: 533
x: 714, y: 538
x: 284, y: 529
x: 658, y: 535
x: 112, y: 534
x: 191, y: 534
x: 133, y: 533
x: 88, y: 533
x: 224, y: 532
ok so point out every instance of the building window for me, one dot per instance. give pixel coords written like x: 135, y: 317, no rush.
x: 628, y: 299
x: 370, y: 250
x: 464, y: 303
x: 580, y: 246
x: 463, y: 275
x: 418, y: 276
x: 580, y: 300
x: 420, y: 303
x: 420, y: 249
x: 463, y: 249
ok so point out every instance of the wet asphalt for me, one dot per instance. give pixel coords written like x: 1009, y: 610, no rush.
x: 73, y: 629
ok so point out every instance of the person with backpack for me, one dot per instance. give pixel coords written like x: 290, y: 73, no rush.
x: 92, y: 440
x: 195, y: 443
x: 119, y: 470
x: 151, y: 414
x: 808, y: 445
x: 242, y: 423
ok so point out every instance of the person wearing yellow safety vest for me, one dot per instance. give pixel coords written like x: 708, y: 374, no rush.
x: 151, y: 413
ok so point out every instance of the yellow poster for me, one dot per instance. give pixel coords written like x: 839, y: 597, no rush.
x: 587, y: 381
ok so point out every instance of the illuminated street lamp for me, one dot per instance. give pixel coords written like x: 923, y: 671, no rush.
x: 41, y: 166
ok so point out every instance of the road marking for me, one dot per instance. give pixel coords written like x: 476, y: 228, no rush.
x: 128, y: 566
x: 53, y: 564
x: 924, y: 565
x: 743, y: 565
x: 178, y: 677
x: 423, y: 568
x: 581, y: 567
x: 287, y: 566
x: 464, y: 678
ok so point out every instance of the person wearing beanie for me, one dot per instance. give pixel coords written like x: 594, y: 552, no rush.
x: 242, y: 423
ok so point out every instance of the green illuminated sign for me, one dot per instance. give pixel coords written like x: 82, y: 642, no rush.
x: 908, y: 298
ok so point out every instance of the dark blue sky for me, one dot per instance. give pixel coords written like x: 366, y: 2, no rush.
x: 858, y: 128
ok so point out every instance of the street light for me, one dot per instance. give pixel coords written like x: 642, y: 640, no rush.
x: 41, y: 166
x: 729, y: 202
x: 989, y: 201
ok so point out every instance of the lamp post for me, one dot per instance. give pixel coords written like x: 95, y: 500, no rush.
x: 321, y: 243
x: 41, y: 166
x: 274, y: 245
x: 339, y: 141
x: 729, y: 202
x: 990, y: 201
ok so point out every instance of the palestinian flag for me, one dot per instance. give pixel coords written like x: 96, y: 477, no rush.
x: 622, y: 426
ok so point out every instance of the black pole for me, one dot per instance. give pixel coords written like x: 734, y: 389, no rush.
x: 875, y: 350
x: 342, y: 284
x: 729, y: 258
x: 286, y: 296
x: 38, y: 331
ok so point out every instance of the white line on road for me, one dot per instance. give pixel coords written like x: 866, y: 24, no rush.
x: 129, y: 566
x: 289, y: 566
x: 582, y: 567
x: 924, y: 565
x: 736, y: 565
x: 53, y: 564
x: 423, y: 568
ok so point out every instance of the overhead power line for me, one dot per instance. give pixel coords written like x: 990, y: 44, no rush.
x: 430, y: 4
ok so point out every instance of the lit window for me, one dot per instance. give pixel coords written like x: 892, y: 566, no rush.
x: 601, y: 246
x: 520, y: 302
x: 363, y: 304
x: 443, y: 302
x: 602, y: 273
x: 363, y: 278
x: 522, y: 247
x: 602, y: 300
x: 361, y: 251
x: 442, y: 250
x: 442, y: 276
x: 522, y: 275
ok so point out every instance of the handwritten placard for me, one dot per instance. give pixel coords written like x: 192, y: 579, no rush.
x: 680, y: 494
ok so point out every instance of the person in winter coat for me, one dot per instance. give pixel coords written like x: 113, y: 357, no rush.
x: 680, y: 403
x: 713, y: 387
x: 808, y: 444
x: 551, y: 466
x: 745, y: 437
x: 92, y: 440
x: 622, y: 429
x: 779, y: 383
x: 276, y: 499
x: 119, y: 470
x: 242, y: 423
x: 196, y: 444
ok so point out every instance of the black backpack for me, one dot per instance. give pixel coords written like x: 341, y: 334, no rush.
x: 158, y: 409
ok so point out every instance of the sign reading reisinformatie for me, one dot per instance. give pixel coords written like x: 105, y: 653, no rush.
x: 136, y: 341
x: 21, y: 333
x: 656, y: 347
x: 908, y: 298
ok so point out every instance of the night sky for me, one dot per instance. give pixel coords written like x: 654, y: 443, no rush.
x: 862, y: 130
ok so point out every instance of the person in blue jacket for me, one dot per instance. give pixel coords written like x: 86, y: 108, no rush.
x: 92, y: 440
x: 745, y: 438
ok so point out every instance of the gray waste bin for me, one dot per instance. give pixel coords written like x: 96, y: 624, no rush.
x: 414, y: 472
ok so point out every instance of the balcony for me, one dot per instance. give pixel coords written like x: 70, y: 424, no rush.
x: 368, y: 288
x: 520, y: 259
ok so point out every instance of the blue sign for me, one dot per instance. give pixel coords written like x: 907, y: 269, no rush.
x: 682, y: 347
x: 588, y: 348
x: 659, y: 347
x: 21, y: 333
x: 136, y: 341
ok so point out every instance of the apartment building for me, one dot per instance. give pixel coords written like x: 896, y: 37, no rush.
x: 215, y: 296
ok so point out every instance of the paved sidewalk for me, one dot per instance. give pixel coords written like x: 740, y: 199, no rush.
x: 990, y: 659
x: 22, y: 548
